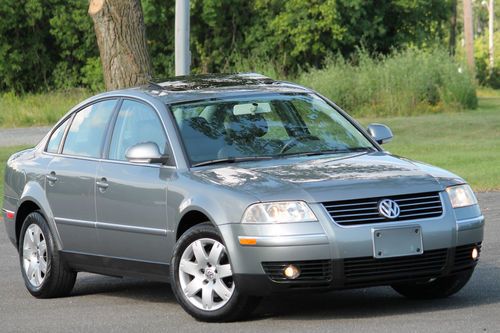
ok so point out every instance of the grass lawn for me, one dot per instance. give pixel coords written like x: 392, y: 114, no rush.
x: 38, y: 109
x: 466, y: 143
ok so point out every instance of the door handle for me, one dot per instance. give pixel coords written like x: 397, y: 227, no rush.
x: 102, y: 184
x: 51, y: 177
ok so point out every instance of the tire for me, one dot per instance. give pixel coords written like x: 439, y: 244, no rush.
x: 197, y: 264
x: 439, y: 288
x: 44, y: 273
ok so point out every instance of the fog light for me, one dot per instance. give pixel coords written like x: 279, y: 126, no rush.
x: 291, y: 272
x: 475, y: 253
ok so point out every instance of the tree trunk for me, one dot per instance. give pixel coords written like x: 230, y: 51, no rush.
x: 121, y: 37
x: 491, y: 32
x: 469, y: 36
x: 453, y: 28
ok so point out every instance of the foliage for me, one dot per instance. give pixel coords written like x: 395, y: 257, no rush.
x: 74, y: 43
x: 402, y: 83
x: 51, y: 44
x: 482, y: 61
x: 159, y: 20
x: 44, y: 43
x: 23, y: 40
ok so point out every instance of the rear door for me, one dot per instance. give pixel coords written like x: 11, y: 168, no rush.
x: 131, y: 199
x: 70, y: 177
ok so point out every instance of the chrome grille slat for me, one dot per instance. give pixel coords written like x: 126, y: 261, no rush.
x: 365, y: 211
x: 421, y: 208
x: 352, y: 210
x: 419, y: 203
x: 347, y: 215
x: 353, y: 204
x: 417, y: 198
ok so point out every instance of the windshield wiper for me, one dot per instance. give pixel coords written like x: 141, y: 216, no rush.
x: 330, y: 151
x: 232, y: 160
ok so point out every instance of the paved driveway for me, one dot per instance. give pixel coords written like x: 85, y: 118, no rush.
x: 109, y: 304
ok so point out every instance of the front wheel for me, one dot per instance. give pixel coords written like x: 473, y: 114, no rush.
x: 202, y: 277
x: 437, y: 288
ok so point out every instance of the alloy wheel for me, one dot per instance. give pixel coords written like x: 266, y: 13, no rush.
x: 35, y: 255
x: 205, y: 274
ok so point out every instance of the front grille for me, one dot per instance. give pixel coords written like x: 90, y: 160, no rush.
x: 370, y: 271
x: 463, y: 257
x: 365, y: 211
x: 311, y: 271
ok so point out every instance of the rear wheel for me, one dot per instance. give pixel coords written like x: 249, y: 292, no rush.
x: 202, y: 278
x: 44, y: 273
x: 437, y: 288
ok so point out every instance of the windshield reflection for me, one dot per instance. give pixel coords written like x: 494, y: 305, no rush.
x: 276, y: 125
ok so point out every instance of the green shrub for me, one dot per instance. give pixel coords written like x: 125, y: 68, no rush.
x: 402, y: 83
x: 91, y: 75
x: 481, y: 56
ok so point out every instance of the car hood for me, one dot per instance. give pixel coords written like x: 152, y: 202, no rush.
x: 342, y: 177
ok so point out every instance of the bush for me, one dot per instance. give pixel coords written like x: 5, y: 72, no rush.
x: 402, y: 83
x: 481, y: 56
x: 91, y: 75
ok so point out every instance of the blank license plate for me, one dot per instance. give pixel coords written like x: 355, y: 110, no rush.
x: 397, y: 242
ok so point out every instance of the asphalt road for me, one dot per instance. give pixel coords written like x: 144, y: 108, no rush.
x: 10, y: 137
x: 108, y: 304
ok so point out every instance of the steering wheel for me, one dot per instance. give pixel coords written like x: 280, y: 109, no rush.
x: 296, y: 140
x: 290, y: 144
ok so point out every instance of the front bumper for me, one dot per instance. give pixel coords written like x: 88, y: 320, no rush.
x: 360, y: 272
x: 336, y: 257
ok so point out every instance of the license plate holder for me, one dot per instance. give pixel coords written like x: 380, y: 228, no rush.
x: 397, y: 242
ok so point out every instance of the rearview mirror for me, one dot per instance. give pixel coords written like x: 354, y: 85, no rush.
x: 251, y: 108
x: 146, y: 152
x: 380, y: 133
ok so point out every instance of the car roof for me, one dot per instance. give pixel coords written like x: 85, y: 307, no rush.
x: 213, y: 86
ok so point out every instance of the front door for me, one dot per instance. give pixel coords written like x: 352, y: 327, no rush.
x: 131, y: 199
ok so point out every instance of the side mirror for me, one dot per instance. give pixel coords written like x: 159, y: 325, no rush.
x: 146, y: 152
x: 380, y: 133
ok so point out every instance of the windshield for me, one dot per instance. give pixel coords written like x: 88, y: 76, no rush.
x: 271, y: 126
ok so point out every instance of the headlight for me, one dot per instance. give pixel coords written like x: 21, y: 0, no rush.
x: 461, y: 196
x: 279, y: 212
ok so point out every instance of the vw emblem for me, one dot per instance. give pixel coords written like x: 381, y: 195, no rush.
x: 389, y: 208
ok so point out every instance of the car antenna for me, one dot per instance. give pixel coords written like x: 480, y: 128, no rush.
x: 155, y: 85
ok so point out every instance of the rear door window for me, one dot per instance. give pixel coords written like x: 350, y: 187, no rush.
x: 56, y: 137
x: 88, y: 129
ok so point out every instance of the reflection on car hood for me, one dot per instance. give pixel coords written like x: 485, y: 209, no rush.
x: 339, y: 177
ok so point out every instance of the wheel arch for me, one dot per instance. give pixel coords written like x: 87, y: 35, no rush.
x: 190, y: 218
x: 33, y: 199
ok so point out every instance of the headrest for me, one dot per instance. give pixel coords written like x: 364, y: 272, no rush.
x: 247, y: 126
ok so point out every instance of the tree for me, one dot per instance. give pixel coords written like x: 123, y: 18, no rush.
x: 491, y: 31
x: 453, y: 28
x: 121, y: 37
x: 469, y: 35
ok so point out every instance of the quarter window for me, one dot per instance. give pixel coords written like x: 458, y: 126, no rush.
x: 136, y: 123
x: 56, y: 137
x: 88, y: 129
